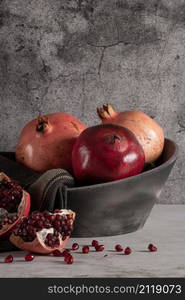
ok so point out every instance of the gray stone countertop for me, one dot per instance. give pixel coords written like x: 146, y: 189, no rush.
x: 165, y: 228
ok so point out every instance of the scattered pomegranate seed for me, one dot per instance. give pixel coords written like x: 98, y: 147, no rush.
x: 85, y: 249
x: 8, y: 259
x: 127, y: 251
x: 118, y: 248
x: 75, y: 246
x: 95, y: 243
x: 69, y: 259
x: 152, y: 248
x: 66, y: 252
x: 57, y: 253
x: 99, y: 247
x: 29, y: 257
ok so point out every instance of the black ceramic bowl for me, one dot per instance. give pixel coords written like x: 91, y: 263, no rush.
x: 120, y: 206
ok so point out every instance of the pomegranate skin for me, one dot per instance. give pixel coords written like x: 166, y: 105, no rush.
x: 105, y: 153
x: 37, y: 246
x: 46, y: 142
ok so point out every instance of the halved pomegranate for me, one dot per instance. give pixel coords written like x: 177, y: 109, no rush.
x: 44, y: 232
x: 14, y: 204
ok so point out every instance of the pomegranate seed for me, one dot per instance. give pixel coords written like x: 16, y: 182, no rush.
x: 75, y: 246
x: 99, y: 247
x: 57, y: 253
x: 51, y: 218
x: 9, y: 259
x: 59, y: 217
x: 127, y: 251
x: 66, y: 252
x: 152, y: 248
x: 118, y: 248
x: 95, y: 243
x: 46, y: 214
x: 57, y: 211
x: 40, y: 224
x: 5, y: 220
x: 49, y: 236
x: 29, y: 257
x: 69, y: 217
x: 15, y: 218
x: 47, y: 225
x: 85, y: 249
x: 69, y: 259
x: 36, y: 217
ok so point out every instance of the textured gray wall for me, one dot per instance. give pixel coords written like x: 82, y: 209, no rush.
x: 73, y: 55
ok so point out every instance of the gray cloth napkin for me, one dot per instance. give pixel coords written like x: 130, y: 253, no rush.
x: 49, y: 191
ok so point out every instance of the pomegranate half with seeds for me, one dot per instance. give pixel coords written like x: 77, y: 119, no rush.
x: 44, y: 232
x: 14, y: 204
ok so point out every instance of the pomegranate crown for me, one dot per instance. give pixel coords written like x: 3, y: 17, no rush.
x: 42, y: 124
x: 106, y: 112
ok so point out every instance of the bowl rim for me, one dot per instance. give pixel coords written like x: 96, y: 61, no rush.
x: 154, y: 170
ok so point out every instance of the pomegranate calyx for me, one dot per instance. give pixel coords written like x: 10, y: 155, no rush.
x: 111, y: 138
x: 106, y: 112
x: 42, y: 124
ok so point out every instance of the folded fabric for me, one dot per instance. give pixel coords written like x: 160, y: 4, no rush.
x: 48, y: 190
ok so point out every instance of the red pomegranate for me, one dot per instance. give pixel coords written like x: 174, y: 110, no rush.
x: 46, y: 142
x: 44, y: 232
x: 147, y: 131
x: 14, y: 204
x: 105, y: 153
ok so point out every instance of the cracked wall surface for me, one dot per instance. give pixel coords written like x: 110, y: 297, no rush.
x: 75, y: 55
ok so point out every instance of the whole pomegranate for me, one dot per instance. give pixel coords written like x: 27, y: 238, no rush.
x: 46, y: 142
x: 44, y: 232
x: 147, y: 131
x: 105, y: 153
x: 14, y: 204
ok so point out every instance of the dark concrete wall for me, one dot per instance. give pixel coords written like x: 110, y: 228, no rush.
x: 74, y: 55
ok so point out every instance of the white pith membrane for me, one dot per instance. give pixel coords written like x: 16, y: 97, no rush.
x: 43, y: 233
x: 3, y: 213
